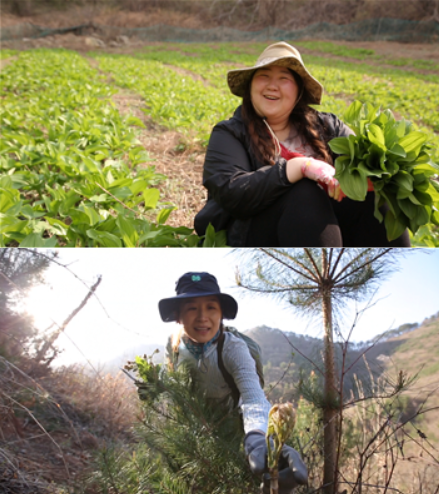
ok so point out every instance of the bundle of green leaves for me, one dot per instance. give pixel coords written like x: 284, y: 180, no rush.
x: 396, y: 159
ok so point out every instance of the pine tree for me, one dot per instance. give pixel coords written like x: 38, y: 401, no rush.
x: 188, y: 443
x: 319, y: 281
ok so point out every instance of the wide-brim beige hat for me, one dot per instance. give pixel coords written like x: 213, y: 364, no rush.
x: 281, y: 54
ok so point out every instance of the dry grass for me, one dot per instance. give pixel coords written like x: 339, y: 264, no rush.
x: 51, y: 424
x: 388, y: 447
x: 98, y: 14
x: 204, y: 14
x: 173, y: 155
x: 419, y: 355
x: 105, y: 404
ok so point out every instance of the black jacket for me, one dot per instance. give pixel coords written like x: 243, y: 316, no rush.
x: 239, y: 186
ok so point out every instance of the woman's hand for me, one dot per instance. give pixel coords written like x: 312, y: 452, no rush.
x: 292, y: 473
x: 317, y: 170
x: 292, y: 470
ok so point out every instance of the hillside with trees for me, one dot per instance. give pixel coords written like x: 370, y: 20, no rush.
x: 287, y: 355
x: 204, y: 14
x: 82, y: 431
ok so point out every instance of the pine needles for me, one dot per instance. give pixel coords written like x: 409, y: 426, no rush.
x: 186, y: 443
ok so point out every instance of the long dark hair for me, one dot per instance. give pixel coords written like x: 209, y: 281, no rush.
x: 303, y: 117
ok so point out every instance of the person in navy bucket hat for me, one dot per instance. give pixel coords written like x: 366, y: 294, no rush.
x: 196, y: 285
x: 225, y: 368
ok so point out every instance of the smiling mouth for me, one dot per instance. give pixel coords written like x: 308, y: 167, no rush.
x: 271, y: 98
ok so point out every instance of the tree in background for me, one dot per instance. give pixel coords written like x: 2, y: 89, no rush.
x: 320, y: 282
x: 20, y: 270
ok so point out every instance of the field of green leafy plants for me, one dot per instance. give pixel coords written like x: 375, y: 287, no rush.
x: 73, y: 172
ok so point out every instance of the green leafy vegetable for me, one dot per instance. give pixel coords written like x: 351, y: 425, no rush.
x: 396, y: 159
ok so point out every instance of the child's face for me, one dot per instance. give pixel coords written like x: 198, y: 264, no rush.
x: 201, y: 318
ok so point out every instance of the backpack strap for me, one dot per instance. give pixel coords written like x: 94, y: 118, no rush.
x: 226, y: 374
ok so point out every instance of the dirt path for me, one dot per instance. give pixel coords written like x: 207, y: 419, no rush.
x: 172, y: 156
x: 6, y: 61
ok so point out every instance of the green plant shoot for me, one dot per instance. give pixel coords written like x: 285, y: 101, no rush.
x: 281, y: 421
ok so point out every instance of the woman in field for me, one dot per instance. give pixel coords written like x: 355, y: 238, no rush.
x: 269, y: 171
x: 199, y: 307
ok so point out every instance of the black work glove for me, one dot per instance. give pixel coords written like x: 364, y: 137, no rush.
x: 255, y: 449
x: 292, y: 470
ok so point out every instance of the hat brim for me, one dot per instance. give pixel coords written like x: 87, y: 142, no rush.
x: 239, y: 78
x: 168, y: 307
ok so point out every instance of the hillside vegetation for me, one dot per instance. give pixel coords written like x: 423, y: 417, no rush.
x: 417, y: 353
x: 241, y: 14
x: 55, y: 423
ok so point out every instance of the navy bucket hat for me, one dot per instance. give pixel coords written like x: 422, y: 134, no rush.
x: 192, y: 285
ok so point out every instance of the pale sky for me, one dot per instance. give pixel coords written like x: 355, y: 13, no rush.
x: 134, y: 280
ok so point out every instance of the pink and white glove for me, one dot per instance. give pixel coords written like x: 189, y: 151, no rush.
x: 323, y: 173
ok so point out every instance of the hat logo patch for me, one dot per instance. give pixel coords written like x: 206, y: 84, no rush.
x: 195, y: 277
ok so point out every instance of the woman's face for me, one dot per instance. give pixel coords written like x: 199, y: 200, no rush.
x: 201, y: 318
x: 274, y: 93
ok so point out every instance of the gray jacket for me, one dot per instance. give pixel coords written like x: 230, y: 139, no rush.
x: 241, y: 366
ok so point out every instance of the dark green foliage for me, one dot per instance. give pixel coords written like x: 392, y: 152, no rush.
x: 397, y: 159
x: 186, y: 442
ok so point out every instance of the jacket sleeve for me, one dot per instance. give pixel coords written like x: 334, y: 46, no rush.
x: 334, y: 127
x: 233, y: 180
x: 240, y: 364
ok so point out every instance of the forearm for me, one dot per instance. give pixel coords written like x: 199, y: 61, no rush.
x: 294, y: 169
x: 254, y: 404
x: 317, y: 170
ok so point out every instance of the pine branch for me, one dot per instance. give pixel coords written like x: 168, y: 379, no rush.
x: 311, y: 276
x: 339, y: 257
x: 320, y: 275
x: 363, y: 265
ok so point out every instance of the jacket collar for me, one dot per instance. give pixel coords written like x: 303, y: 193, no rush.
x: 198, y: 350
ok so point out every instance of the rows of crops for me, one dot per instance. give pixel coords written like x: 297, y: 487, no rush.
x: 72, y: 172
x: 70, y: 162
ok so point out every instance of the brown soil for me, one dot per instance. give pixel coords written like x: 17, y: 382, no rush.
x: 107, y: 17
x: 393, y: 49
x: 71, y: 41
x: 172, y: 155
x: 95, y: 15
